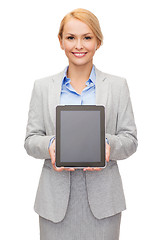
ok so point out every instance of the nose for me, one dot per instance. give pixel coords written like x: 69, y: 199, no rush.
x: 78, y: 44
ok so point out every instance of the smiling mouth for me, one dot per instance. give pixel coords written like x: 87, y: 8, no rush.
x: 79, y: 54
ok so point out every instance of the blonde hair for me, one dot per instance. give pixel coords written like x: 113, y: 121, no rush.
x: 85, y: 16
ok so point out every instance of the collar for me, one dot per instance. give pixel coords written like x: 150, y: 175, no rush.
x: 92, y: 76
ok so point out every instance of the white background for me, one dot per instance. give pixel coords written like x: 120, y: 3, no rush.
x: 29, y: 50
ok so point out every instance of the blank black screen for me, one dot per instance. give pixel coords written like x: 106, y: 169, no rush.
x: 80, y: 136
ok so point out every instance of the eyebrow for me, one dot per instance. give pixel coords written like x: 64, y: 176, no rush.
x: 74, y: 34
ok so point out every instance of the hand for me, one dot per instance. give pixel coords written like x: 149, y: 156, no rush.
x: 53, y: 159
x: 107, y: 159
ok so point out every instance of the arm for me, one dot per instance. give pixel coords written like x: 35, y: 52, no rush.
x: 36, y: 141
x: 124, y: 143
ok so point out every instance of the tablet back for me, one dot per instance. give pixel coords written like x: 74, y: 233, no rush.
x: 80, y: 136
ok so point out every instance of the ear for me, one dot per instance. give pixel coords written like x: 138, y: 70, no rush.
x: 98, y: 45
x: 61, y: 43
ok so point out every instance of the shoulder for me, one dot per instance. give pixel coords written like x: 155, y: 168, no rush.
x: 110, y: 77
x: 116, y: 82
x: 43, y: 82
x: 115, y: 79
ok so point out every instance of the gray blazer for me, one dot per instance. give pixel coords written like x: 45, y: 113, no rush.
x: 104, y: 188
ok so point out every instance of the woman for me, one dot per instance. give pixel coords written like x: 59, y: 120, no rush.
x: 71, y: 203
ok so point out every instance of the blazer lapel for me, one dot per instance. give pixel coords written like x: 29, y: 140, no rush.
x: 54, y: 92
x: 102, y: 87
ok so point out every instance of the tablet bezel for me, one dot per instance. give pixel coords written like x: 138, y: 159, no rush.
x: 101, y: 109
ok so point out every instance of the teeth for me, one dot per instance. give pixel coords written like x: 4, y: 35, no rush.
x: 79, y: 54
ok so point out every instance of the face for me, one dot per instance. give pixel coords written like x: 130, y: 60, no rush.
x: 78, y: 42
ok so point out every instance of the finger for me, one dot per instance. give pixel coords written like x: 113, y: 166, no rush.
x: 88, y: 169
x: 107, y: 157
x: 69, y: 169
x: 58, y: 169
x: 53, y: 160
x: 97, y: 169
x: 52, y: 154
x: 92, y: 169
x: 84, y: 169
x: 107, y: 152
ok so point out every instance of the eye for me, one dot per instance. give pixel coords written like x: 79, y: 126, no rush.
x: 70, y: 38
x: 87, y: 38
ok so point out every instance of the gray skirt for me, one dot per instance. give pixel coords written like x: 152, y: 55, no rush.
x: 79, y: 222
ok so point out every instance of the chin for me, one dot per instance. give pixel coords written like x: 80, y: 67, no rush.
x: 81, y: 62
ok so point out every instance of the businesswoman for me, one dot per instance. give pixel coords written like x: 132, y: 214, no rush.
x: 74, y: 203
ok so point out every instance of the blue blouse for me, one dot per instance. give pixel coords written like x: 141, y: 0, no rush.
x: 70, y: 97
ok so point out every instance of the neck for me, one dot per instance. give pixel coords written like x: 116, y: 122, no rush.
x: 79, y: 74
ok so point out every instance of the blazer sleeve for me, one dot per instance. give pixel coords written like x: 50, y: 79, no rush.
x: 124, y: 143
x: 36, y: 140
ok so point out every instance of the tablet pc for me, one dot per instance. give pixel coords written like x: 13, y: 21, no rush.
x: 80, y: 136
